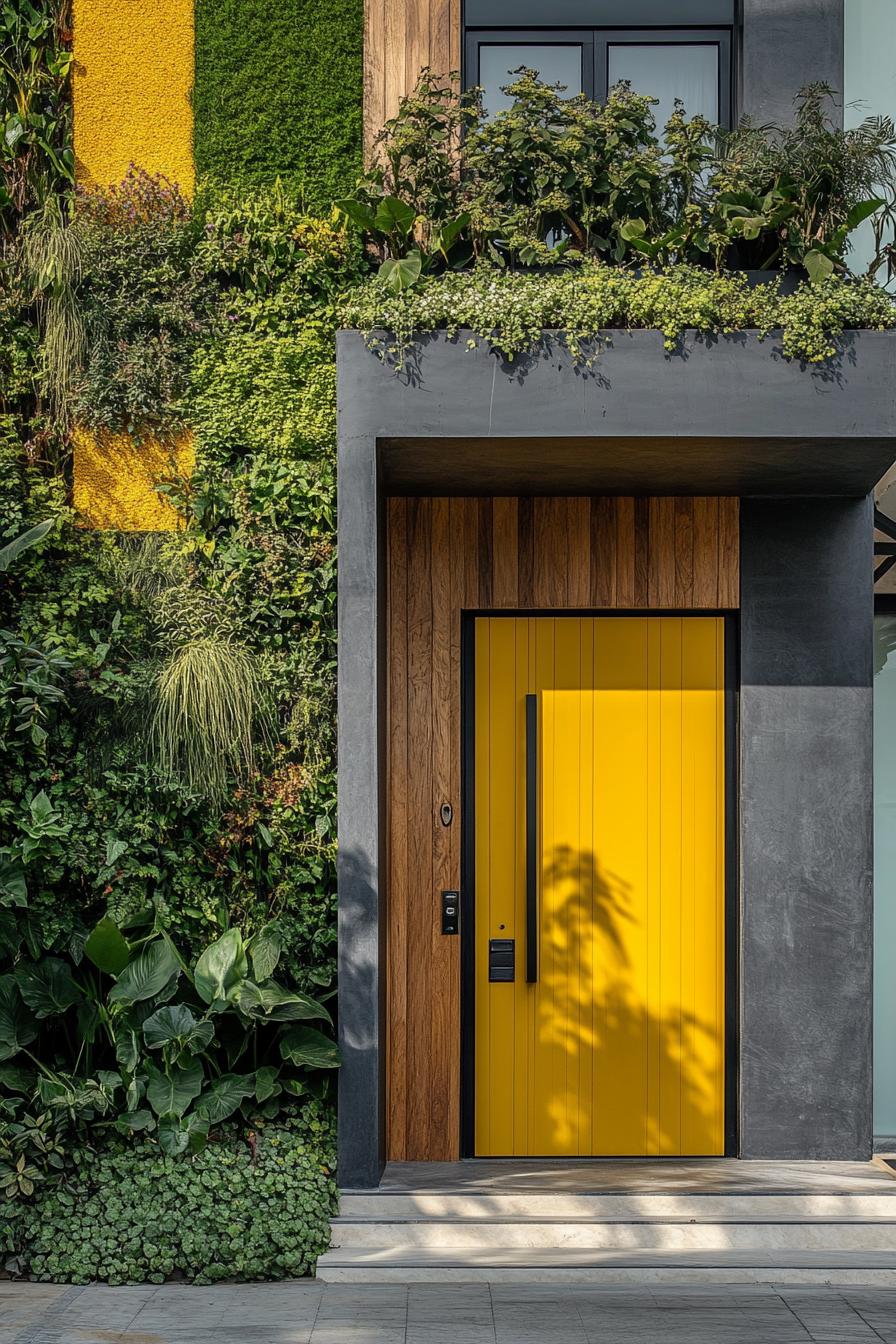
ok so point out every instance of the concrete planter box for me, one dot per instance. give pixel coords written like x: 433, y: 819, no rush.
x: 642, y: 419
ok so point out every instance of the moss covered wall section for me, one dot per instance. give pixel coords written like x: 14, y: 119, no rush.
x: 115, y: 480
x: 279, y: 93
x: 132, y: 87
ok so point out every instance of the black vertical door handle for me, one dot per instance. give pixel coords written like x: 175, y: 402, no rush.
x: 531, y: 839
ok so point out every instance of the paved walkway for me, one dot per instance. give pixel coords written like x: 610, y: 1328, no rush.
x: 313, y: 1313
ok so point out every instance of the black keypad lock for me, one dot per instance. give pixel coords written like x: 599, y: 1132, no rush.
x: 450, y: 911
x: 501, y: 959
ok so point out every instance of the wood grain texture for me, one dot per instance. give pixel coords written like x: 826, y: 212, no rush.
x: 401, y: 37
x: 447, y: 556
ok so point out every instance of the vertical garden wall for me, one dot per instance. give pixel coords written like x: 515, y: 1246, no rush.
x: 167, y: 650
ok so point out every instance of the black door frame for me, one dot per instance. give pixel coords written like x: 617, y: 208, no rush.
x: 468, y: 856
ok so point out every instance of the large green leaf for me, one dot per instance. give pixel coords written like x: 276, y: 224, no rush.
x: 861, y: 211
x: 222, y: 968
x: 147, y: 975
x: 394, y: 215
x: 127, y: 1049
x: 224, y: 1095
x: 107, y: 947
x: 136, y: 1120
x: 13, y: 889
x: 264, y: 949
x: 177, y: 1135
x: 171, y: 1094
x: 305, y: 1045
x: 266, y: 1082
x: 818, y: 265
x: 358, y: 213
x: 47, y: 987
x: 175, y: 1025
x: 399, y: 274
x: 278, y: 1004
x: 17, y: 1025
x: 21, y: 543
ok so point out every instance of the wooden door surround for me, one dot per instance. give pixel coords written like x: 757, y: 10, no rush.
x: 447, y: 556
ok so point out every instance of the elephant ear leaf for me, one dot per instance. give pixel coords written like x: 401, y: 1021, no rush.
x: 818, y: 265
x: 171, y: 1093
x: 224, y: 1096
x: 47, y: 987
x: 221, y: 969
x: 108, y: 948
x: 179, y: 1134
x: 17, y: 1026
x: 175, y: 1025
x: 401, y: 273
x: 154, y: 967
x: 305, y: 1045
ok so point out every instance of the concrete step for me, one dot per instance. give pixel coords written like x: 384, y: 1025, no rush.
x: 784, y: 1232
x: 431, y: 1264
x: 395, y: 1206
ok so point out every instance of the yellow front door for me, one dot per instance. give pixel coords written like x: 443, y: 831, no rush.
x: 602, y: 1032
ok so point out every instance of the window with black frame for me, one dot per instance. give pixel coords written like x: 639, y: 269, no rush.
x: 593, y: 44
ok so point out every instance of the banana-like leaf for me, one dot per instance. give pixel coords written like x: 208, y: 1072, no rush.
x: 264, y: 949
x: 47, y: 987
x: 222, y: 968
x: 151, y: 971
x: 17, y: 1025
x: 15, y: 547
x: 107, y: 947
x: 278, y: 1004
x: 304, y: 1045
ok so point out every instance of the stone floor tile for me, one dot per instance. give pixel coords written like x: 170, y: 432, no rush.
x: 356, y: 1334
x: 447, y: 1333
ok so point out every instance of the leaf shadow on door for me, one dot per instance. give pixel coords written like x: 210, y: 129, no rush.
x: 630, y: 1067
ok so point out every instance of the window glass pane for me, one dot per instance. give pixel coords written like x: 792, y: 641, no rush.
x: 689, y: 71
x: 884, y: 874
x: 555, y: 63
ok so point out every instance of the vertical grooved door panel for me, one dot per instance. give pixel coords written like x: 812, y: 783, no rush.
x: 618, y: 1047
x: 448, y: 556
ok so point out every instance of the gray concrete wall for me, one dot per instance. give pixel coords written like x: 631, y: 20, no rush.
x: 361, y: 864
x: 785, y: 45
x: 806, y: 828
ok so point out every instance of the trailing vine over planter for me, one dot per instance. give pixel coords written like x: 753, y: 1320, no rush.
x: 510, y: 310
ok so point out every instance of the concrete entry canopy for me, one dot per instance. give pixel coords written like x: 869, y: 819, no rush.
x: 728, y: 417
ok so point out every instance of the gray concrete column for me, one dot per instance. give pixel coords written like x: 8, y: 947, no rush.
x: 806, y: 828
x: 787, y: 44
x: 361, y: 864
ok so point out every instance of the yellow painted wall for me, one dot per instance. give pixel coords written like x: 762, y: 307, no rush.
x: 132, y: 89
x: 115, y: 480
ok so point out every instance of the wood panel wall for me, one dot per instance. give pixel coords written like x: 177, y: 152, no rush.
x: 450, y: 555
x: 400, y: 38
